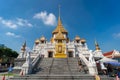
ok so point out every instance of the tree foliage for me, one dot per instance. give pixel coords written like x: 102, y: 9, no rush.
x: 7, y: 53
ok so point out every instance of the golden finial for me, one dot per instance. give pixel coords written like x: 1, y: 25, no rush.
x: 97, y: 45
x: 23, y: 46
x: 59, y: 10
x: 59, y: 20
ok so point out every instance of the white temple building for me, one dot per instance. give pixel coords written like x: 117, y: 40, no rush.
x: 60, y: 46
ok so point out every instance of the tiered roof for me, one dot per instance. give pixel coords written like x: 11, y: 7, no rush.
x: 59, y: 27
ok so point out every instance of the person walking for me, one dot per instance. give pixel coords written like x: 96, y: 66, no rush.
x: 3, y: 77
x: 109, y: 70
x: 118, y: 74
x: 80, y: 68
x: 103, y: 68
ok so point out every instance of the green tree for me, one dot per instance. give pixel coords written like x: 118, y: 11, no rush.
x: 6, y: 54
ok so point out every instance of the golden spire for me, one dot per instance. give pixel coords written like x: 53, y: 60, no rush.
x: 59, y: 20
x: 59, y: 26
x: 23, y: 46
x: 59, y: 10
x: 97, y: 45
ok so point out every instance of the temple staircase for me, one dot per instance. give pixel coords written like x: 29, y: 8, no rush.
x: 56, y: 69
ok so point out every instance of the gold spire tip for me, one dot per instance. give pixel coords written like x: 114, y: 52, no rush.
x: 59, y: 9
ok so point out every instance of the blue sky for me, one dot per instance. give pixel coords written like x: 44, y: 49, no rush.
x: 28, y: 20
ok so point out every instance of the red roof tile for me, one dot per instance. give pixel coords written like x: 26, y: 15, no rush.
x: 108, y: 53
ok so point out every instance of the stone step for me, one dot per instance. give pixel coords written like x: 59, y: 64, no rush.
x: 59, y: 77
x: 58, y: 66
x: 54, y: 77
x: 58, y: 69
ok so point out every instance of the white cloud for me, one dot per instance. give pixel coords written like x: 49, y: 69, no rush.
x: 8, y: 23
x: 13, y: 24
x: 116, y: 35
x: 12, y: 35
x: 48, y: 19
x: 23, y: 22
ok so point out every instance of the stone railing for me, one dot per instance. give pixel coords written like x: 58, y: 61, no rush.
x: 84, y: 59
x: 35, y: 60
x: 92, y: 68
x: 27, y: 67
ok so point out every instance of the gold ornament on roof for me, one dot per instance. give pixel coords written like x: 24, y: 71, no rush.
x: 42, y: 38
x: 83, y: 40
x: 97, y: 45
x: 52, y: 40
x: 37, y: 41
x: 23, y: 46
x: 59, y: 36
x: 77, y: 38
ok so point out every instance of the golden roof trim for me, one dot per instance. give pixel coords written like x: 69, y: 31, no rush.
x: 60, y: 36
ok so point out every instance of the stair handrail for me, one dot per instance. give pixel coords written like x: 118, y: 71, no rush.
x: 35, y: 60
x: 27, y: 68
x: 89, y: 65
x: 84, y: 59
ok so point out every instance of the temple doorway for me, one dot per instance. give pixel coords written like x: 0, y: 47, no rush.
x: 70, y: 53
x: 50, y: 54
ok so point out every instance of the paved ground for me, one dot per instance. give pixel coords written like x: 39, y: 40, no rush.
x: 6, y: 77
